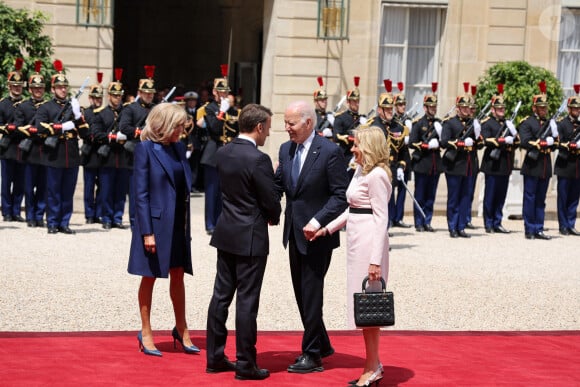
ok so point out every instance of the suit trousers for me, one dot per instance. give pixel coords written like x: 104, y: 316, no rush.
x: 496, y: 187
x: 35, y: 191
x: 12, y: 189
x: 425, y: 191
x: 308, y: 272
x: 568, y: 198
x: 534, y: 203
x: 244, y: 275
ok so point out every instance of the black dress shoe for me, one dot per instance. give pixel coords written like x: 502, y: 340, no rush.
x: 428, y: 227
x: 564, y: 231
x: 453, y: 234
x: 463, y: 234
x: 252, y: 374
x: 541, y: 235
x: 489, y: 230
x: 224, y: 366
x: 107, y: 226
x: 89, y: 221
x: 31, y: 223
x: 306, y: 364
x: 573, y: 231
x: 40, y: 223
x: 419, y: 228
x: 120, y: 226
x: 8, y: 218
x: 530, y: 236
x: 52, y: 230
x: 401, y: 224
x: 66, y: 230
x: 18, y: 218
x: 501, y: 230
x: 470, y: 226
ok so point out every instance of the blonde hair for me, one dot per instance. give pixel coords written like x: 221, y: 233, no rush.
x: 374, y: 149
x: 161, y: 122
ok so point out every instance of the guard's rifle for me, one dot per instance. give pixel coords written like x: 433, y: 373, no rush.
x: 544, y: 132
x: 451, y: 153
x: 372, y: 112
x: 168, y: 95
x: 112, y: 131
x: 448, y: 114
x: 410, y: 114
x: 326, y: 123
x: 130, y: 145
x: 564, y: 150
x: 66, y: 111
x: 496, y: 152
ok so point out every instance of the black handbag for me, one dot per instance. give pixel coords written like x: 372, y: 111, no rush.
x: 376, y: 309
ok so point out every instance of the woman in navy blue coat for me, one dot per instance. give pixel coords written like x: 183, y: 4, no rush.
x: 160, y: 244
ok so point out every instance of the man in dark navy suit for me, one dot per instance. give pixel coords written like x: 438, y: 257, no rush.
x: 311, y: 173
x: 250, y: 203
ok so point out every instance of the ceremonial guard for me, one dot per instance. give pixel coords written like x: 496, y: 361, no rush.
x: 32, y: 153
x: 61, y: 119
x: 113, y: 161
x: 426, y: 160
x: 89, y: 158
x: 197, y: 138
x: 501, y: 141
x: 460, y: 137
x: 399, y: 158
x: 12, y: 189
x: 348, y: 120
x: 220, y: 119
x: 567, y: 166
x: 324, y: 119
x: 538, y: 134
x: 400, y: 105
x: 131, y: 123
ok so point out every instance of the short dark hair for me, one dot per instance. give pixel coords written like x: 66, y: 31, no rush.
x: 252, y: 115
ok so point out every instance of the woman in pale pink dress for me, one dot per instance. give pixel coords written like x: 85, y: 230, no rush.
x: 367, y: 238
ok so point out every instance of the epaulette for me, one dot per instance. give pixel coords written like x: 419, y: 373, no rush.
x: 127, y: 103
x: 19, y: 102
x: 42, y: 103
x: 2, y: 99
x: 416, y: 120
x: 485, y: 119
x: 447, y: 118
x: 98, y: 110
x: 338, y: 114
x: 523, y: 119
x: 560, y: 119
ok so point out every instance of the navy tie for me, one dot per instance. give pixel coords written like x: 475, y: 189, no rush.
x: 296, y: 165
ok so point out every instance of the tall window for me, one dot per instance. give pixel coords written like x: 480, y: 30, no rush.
x: 569, y: 55
x: 409, y: 51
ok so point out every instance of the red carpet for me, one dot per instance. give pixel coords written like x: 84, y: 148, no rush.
x: 409, y: 358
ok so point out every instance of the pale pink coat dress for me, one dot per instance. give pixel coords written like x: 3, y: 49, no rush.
x: 367, y: 238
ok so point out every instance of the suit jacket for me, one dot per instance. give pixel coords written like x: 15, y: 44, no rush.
x: 155, y: 198
x: 320, y: 192
x: 250, y: 200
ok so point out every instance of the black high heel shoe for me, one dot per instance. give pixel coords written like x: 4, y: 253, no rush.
x: 186, y: 348
x: 152, y: 352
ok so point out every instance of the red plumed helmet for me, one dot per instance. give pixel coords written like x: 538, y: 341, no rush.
x: 356, y: 81
x: 434, y: 87
x: 400, y: 86
x: 577, y: 88
x: 99, y: 77
x: 57, y: 65
x: 320, y: 81
x: 149, y: 71
x: 388, y: 85
x: 37, y: 66
x: 224, y: 70
x: 473, y: 89
x: 18, y: 64
x: 466, y: 87
x: 500, y: 88
x: 118, y: 74
x: 542, y: 86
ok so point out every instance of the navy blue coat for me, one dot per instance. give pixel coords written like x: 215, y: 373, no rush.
x: 155, y: 198
x: 320, y: 192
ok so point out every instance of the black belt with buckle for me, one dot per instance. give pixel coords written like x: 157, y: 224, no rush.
x: 356, y: 210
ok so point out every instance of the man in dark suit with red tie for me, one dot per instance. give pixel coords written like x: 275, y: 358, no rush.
x: 250, y: 203
x: 311, y: 173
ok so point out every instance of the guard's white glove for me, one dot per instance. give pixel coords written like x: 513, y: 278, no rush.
x: 362, y: 120
x: 406, y: 140
x: 438, y: 128
x: 224, y: 105
x: 121, y: 136
x: 509, y: 140
x: 511, y: 127
x: 468, y: 141
x: 330, y: 118
x: 433, y: 143
x: 76, y: 108
x: 408, y: 124
x: 68, y: 125
x: 476, y: 128
x: 327, y: 133
x: 188, y: 154
x: 554, y: 128
x: 550, y: 141
x: 578, y: 144
x: 400, y: 174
